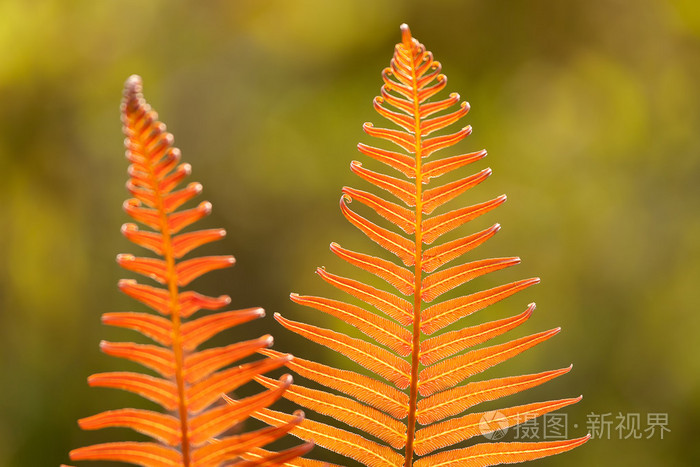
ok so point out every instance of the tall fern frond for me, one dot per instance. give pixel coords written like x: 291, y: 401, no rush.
x: 415, y: 407
x: 186, y: 382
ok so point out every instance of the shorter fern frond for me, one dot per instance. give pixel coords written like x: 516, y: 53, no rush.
x: 186, y: 381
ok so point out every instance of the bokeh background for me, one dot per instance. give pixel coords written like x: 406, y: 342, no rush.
x: 590, y: 112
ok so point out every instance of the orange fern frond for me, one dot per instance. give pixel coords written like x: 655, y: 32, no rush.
x: 423, y: 370
x: 187, y: 382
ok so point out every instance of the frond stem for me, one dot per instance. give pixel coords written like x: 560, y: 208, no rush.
x: 415, y: 363
x: 173, y: 289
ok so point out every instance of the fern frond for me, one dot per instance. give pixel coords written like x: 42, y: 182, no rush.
x: 485, y: 454
x: 189, y: 381
x: 340, y: 441
x: 288, y: 458
x: 428, y: 389
x: 369, y: 390
x: 457, y: 400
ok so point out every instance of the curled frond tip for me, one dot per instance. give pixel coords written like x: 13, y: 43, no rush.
x: 133, y: 85
x: 406, y: 37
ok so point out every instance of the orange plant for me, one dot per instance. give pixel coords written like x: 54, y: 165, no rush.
x: 418, y: 410
x: 189, y: 382
x: 415, y: 408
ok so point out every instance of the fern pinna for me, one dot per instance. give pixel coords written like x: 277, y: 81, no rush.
x: 190, y: 382
x: 410, y: 418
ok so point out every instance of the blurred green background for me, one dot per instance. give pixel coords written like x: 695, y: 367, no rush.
x: 589, y: 110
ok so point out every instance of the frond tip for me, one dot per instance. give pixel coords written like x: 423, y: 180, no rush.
x: 189, y: 381
x: 406, y: 312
